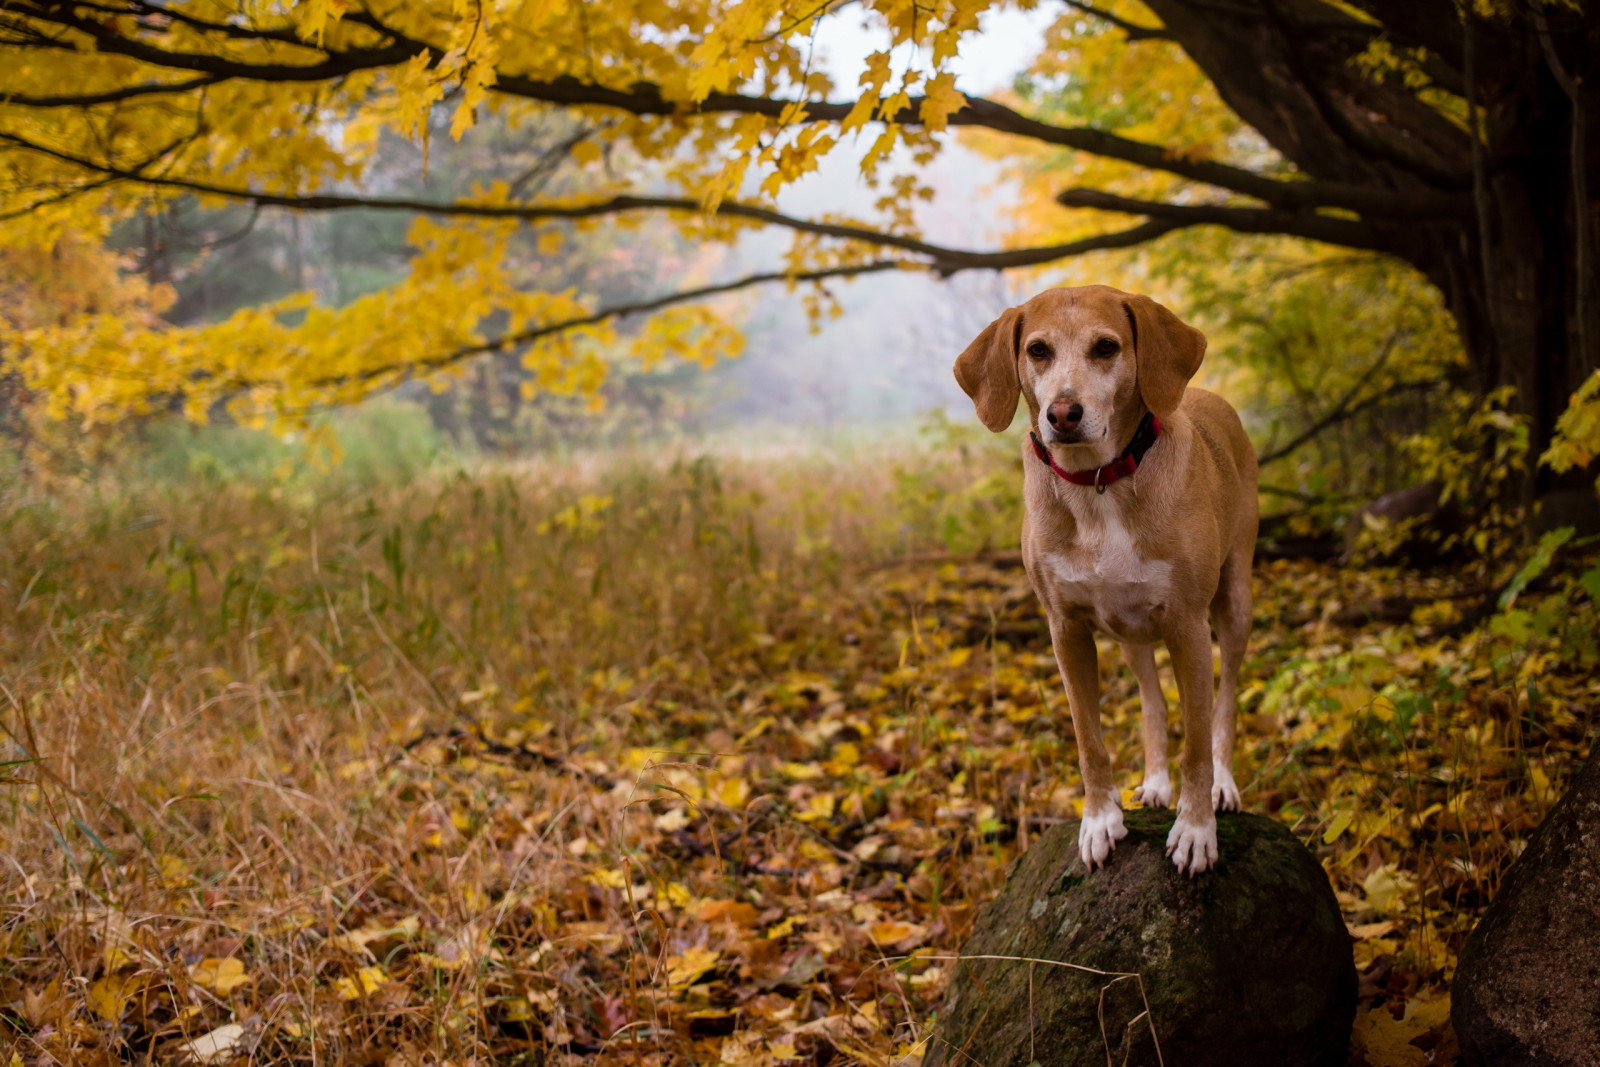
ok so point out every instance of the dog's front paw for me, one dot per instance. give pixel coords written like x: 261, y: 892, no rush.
x: 1224, y: 790
x: 1193, y: 845
x: 1156, y: 792
x: 1098, y: 834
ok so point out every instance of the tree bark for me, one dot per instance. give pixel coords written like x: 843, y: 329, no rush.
x: 1521, y: 304
x: 1516, y: 272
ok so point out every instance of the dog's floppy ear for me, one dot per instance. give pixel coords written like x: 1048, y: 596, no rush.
x: 987, y: 370
x: 1168, y: 351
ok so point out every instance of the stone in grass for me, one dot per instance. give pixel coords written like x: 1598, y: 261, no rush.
x: 1527, y: 990
x: 1247, y: 964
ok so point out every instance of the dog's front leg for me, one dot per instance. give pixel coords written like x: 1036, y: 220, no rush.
x: 1102, y: 805
x: 1192, y: 844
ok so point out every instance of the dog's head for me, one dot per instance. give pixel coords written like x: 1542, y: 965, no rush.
x: 1089, y: 361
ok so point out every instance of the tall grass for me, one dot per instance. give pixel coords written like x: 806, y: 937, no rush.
x: 240, y: 702
x: 641, y: 758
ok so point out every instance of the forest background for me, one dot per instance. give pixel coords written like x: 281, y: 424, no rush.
x: 498, y: 570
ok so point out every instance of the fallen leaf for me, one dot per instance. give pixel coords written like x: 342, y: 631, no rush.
x: 734, y: 911
x: 42, y: 1007
x: 365, y: 983
x: 216, y: 1046
x: 1365, y: 931
x: 685, y: 969
x: 361, y: 941
x: 221, y: 976
x: 1386, y: 888
x: 895, y: 933
x: 109, y: 996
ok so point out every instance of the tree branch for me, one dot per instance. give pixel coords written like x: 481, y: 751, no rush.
x: 1132, y: 30
x: 1350, y: 233
x: 335, y: 64
x: 944, y: 260
x: 1342, y: 412
x: 408, y: 369
x: 110, y: 96
x: 647, y: 99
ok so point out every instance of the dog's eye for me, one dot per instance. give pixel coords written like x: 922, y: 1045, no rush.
x: 1106, y: 346
x: 1038, y: 350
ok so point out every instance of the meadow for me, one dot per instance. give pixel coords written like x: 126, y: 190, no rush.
x: 662, y: 757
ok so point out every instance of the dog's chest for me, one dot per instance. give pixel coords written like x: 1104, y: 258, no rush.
x: 1102, y: 574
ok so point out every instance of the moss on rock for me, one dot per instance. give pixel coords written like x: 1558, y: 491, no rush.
x: 1246, y: 964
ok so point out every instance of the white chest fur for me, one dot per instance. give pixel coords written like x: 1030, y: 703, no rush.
x: 1102, y: 573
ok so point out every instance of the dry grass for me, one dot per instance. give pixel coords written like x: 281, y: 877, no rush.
x: 658, y: 763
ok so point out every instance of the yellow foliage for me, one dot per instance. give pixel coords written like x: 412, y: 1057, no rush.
x: 98, y: 352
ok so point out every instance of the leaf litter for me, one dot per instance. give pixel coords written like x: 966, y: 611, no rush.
x: 753, y: 844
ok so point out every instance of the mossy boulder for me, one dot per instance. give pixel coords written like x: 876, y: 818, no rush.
x: 1246, y: 964
x: 1527, y: 990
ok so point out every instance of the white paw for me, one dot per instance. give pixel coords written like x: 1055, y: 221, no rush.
x: 1224, y: 791
x: 1098, y: 834
x: 1156, y: 792
x: 1193, y: 846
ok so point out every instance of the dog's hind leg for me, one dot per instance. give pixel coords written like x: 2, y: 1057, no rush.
x: 1230, y: 618
x: 1192, y: 844
x: 1156, y: 790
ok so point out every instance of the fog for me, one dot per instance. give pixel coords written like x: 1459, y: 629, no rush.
x: 888, y: 356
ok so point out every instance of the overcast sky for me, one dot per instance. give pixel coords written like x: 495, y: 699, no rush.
x: 889, y: 356
x: 989, y: 60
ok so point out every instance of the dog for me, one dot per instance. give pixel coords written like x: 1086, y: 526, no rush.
x: 1139, y: 520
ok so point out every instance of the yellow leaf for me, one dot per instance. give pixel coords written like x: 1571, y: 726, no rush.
x: 364, y: 984
x: 1340, y: 823
x: 733, y: 792
x: 609, y: 878
x: 685, y: 969
x: 1387, y: 1040
x: 221, y: 976
x: 1386, y: 888
x: 356, y: 941
x: 819, y: 808
x: 891, y: 933
x: 109, y: 996
x: 783, y: 929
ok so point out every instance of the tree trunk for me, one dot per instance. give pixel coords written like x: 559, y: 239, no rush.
x: 1515, y: 256
x: 1521, y: 293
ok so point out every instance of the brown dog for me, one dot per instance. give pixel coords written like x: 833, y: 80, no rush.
x: 1139, y: 519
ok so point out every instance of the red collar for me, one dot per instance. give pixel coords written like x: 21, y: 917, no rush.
x: 1124, y: 465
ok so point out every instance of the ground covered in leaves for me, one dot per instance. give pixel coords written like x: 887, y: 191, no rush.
x: 675, y: 764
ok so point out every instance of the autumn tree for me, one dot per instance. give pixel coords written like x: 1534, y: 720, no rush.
x: 1451, y: 134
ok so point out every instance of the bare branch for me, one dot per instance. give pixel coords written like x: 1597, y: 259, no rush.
x: 944, y: 260
x: 1344, y: 411
x: 407, y: 369
x: 1351, y: 233
x: 111, y: 96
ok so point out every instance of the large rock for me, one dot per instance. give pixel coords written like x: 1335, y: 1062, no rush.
x: 1248, y: 964
x: 1527, y: 990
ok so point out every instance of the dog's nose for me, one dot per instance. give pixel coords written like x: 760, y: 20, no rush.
x: 1065, y: 414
